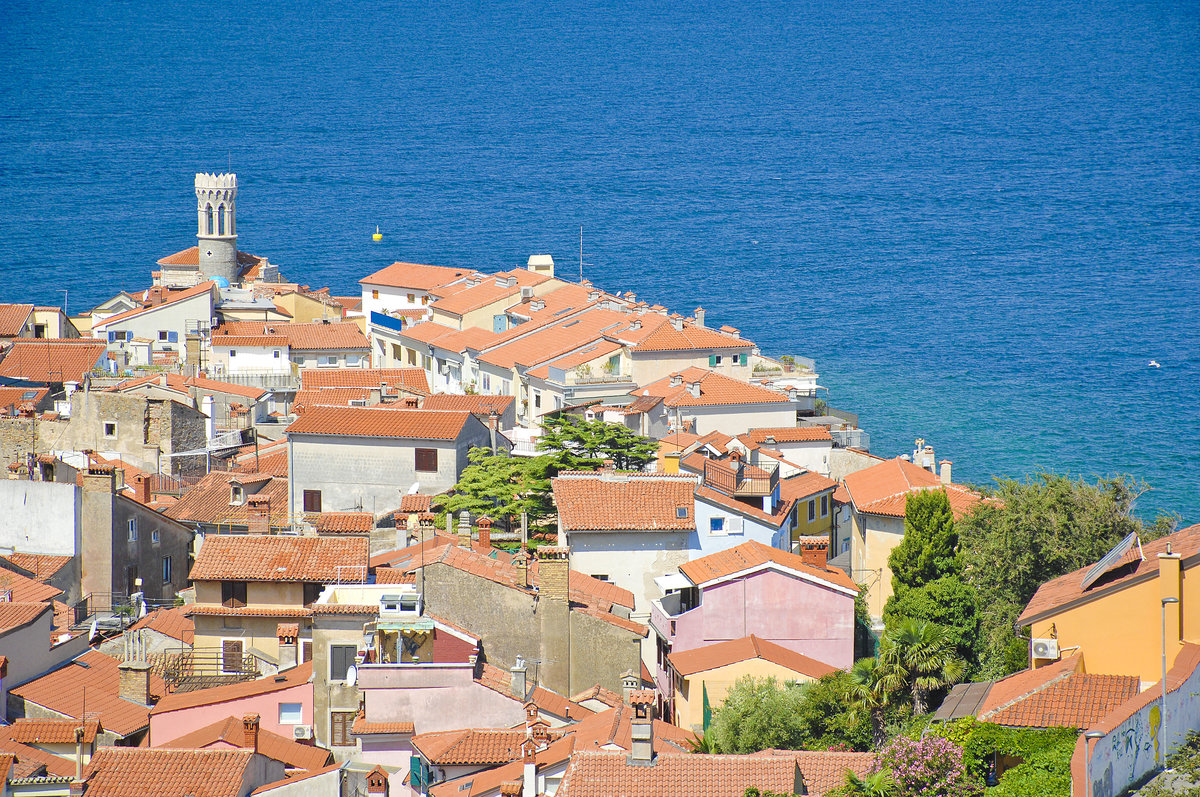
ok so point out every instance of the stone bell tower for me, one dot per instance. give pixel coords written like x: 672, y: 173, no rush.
x: 216, y: 233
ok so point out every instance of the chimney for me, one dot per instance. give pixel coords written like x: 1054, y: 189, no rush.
x: 288, y: 635
x: 537, y: 305
x: 485, y: 533
x: 677, y: 322
x: 945, y: 476
x: 1170, y: 573
x: 258, y: 514
x: 676, y: 380
x: 641, y: 727
x: 635, y: 323
x: 210, y: 416
x: 700, y: 316
x: 518, y: 683
x: 141, y: 488
x: 520, y: 561
x: 630, y: 683
x: 553, y: 611
x: 250, y: 732
x: 79, y: 753
x: 593, y: 296
x: 493, y: 425
x: 464, y: 529
x: 162, y: 380
x: 100, y: 479
x: 552, y: 571
x: 814, y: 551
x: 134, y: 682
x: 694, y: 389
x: 529, y: 774
x: 377, y: 781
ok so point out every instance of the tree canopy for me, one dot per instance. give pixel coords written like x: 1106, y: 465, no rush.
x: 579, y: 444
x: 500, y: 485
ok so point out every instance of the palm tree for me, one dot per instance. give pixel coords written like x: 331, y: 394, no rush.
x: 921, y: 652
x: 873, y: 685
x: 878, y: 784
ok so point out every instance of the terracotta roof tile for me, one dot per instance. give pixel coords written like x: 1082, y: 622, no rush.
x: 598, y: 348
x: 381, y: 422
x: 1077, y: 701
x: 412, y: 380
x: 715, y: 390
x: 619, y: 501
x: 788, y: 434
x: 53, y: 731
x: 296, y: 676
x: 182, y: 383
x: 553, y: 340
x: 174, y: 623
x: 16, y: 396
x: 31, y: 761
x: 500, y: 681
x: 390, y: 575
x: 709, y: 657
x: 278, y: 558
x: 213, y: 610
x: 191, y: 257
x: 489, y: 292
x: 475, y: 404
x: 507, y: 778
x: 52, y: 361
x: 610, y: 774
x: 825, y: 771
x: 803, y: 485
x: 415, y: 502
x: 1024, y: 683
x: 478, y: 747
x: 342, y: 522
x: 296, y: 777
x: 208, y: 501
x: 136, y: 772
x: 91, y: 682
x: 307, y: 336
x: 752, y: 554
x: 689, y: 338
x: 13, y: 318
x: 1067, y: 589
x: 883, y: 489
x: 415, y: 275
x: 17, y: 615
x: 231, y: 731
x: 598, y: 692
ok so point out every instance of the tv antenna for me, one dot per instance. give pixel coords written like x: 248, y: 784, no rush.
x: 581, y: 263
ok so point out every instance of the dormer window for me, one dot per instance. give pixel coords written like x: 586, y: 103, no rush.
x: 237, y: 495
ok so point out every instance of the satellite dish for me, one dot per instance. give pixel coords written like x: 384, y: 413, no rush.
x: 92, y: 631
x: 351, y: 675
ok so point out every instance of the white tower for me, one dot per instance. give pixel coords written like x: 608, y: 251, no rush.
x: 216, y: 231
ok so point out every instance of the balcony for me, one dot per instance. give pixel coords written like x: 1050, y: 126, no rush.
x: 740, y: 480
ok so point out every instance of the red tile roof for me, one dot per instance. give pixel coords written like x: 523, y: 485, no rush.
x: 19, y: 615
x: 381, y: 422
x: 307, y: 336
x: 626, y: 501
x: 161, y: 300
x: 13, y: 318
x: 415, y: 276
x: 411, y: 380
x: 1077, y: 701
x: 721, y: 654
x: 824, y: 771
x: 803, y: 485
x: 553, y: 703
x: 181, y: 383
x: 715, y: 390
x: 475, y: 404
x: 788, y: 434
x: 174, y: 623
x: 598, y: 692
x: 26, y: 590
x: 752, y: 554
x: 610, y: 774
x: 363, y: 728
x: 137, y: 772
x: 477, y: 747
x: 286, y: 679
x: 689, y: 338
x: 91, y: 683
x: 208, y: 501
x: 883, y: 489
x: 53, y: 731
x: 415, y: 502
x: 40, y: 565
x: 191, y: 257
x: 488, y: 292
x: 554, y: 340
x: 1067, y: 589
x: 231, y: 731
x: 279, y: 558
x: 52, y: 361
x: 342, y: 522
x: 599, y: 348
x: 31, y: 761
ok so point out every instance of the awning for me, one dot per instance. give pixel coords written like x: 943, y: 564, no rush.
x: 673, y: 581
x: 415, y: 624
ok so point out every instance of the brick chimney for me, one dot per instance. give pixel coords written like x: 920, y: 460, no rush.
x: 641, y: 727
x: 288, y: 635
x: 485, y: 533
x: 377, y: 781
x: 250, y: 732
x: 141, y: 488
x: 553, y: 610
x: 134, y: 682
x: 814, y: 551
x: 258, y: 514
x: 553, y: 569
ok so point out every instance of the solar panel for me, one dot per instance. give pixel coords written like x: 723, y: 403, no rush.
x: 29, y: 395
x: 1111, y: 559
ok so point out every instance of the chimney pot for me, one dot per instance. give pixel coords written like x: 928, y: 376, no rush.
x: 945, y: 473
x: 250, y: 731
x: 134, y: 682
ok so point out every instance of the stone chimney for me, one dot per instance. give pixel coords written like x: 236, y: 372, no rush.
x: 520, y: 561
x: 518, y: 681
x: 134, y: 682
x: 677, y: 322
x: 814, y: 551
x: 377, y: 781
x: 464, y: 529
x: 258, y: 514
x: 485, y: 533
x: 250, y: 732
x: 493, y: 427
x: 427, y: 526
x: 288, y: 635
x: 553, y: 569
x: 676, y: 380
x: 945, y: 475
x: 641, y: 727
x: 630, y: 683
x: 700, y: 316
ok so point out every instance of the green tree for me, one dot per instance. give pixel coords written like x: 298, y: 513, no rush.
x: 578, y: 444
x: 874, y: 687
x: 758, y: 714
x: 1031, y: 532
x: 499, y: 485
x: 920, y: 654
x: 948, y: 602
x: 876, y: 784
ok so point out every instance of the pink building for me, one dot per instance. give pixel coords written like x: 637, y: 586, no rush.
x: 760, y: 590
x: 281, y: 701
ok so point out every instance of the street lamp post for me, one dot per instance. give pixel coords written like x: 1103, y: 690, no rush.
x: 1165, y: 738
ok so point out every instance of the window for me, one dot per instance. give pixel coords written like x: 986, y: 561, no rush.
x: 487, y: 381
x: 427, y: 460
x: 681, y: 512
x: 427, y: 362
x: 424, y: 300
x: 220, y: 219
x: 133, y: 529
x: 275, y: 354
x: 156, y: 536
x: 600, y: 576
x: 233, y: 594
x: 312, y: 591
x: 341, y: 659
x: 162, y: 334
x: 716, y: 525
x: 110, y: 429
x: 714, y: 360
x: 237, y: 495
x: 231, y: 655
x: 291, y: 713
x: 307, y: 655
x: 537, y: 399
x: 326, y: 360
x: 340, y: 723
x: 375, y: 294
x: 812, y: 510
x: 233, y: 352
x: 824, y: 505
x: 209, y: 212
x: 312, y: 500
x: 412, y: 357
x: 167, y: 571
x: 39, y: 330
x: 354, y: 359
x: 412, y: 298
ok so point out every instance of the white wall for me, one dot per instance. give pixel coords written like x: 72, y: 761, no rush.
x: 630, y: 559
x: 749, y: 529
x: 391, y: 299
x: 735, y: 419
x: 39, y: 517
x: 172, y: 317
x: 252, y: 358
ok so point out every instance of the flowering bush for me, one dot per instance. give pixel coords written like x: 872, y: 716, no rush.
x: 929, y: 767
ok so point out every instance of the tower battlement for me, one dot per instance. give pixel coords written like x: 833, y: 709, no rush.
x: 216, y: 226
x: 206, y: 180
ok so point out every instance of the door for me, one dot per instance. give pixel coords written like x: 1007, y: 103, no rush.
x: 231, y: 655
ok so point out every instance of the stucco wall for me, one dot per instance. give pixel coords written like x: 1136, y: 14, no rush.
x: 30, y: 654
x: 168, y: 725
x: 323, y: 785
x: 735, y: 419
x: 173, y: 317
x: 654, y: 365
x: 752, y: 529
x: 689, y: 703
x: 630, y: 559
x: 872, y: 539
x: 39, y: 517
x: 420, y: 693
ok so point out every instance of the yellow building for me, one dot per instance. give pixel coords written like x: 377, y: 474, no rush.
x: 702, y: 677
x: 1113, y: 611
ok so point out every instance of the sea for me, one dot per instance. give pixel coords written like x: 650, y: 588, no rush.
x: 981, y: 219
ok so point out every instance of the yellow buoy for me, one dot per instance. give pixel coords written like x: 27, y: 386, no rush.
x: 378, y: 236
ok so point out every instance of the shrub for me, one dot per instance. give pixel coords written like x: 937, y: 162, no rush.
x: 929, y: 767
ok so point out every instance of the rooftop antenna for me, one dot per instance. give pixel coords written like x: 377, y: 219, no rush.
x: 581, y: 263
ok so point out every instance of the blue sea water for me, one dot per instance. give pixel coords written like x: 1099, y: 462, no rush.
x: 982, y: 219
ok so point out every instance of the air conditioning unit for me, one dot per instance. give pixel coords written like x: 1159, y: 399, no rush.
x: 1045, y: 649
x: 301, y: 731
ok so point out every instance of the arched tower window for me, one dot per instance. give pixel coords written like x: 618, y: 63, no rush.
x: 220, y: 219
x: 210, y: 220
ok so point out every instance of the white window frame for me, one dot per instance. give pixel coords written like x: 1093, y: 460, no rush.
x: 291, y: 713
x: 133, y: 530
